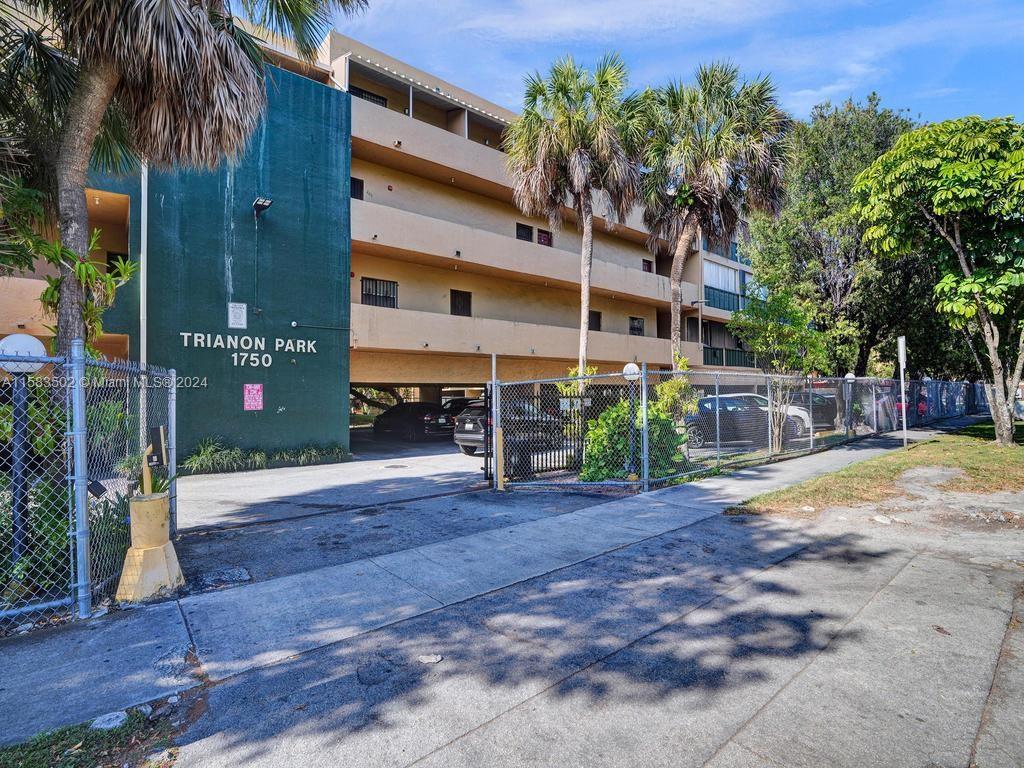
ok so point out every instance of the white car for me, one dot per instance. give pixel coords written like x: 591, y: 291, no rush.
x: 801, y: 417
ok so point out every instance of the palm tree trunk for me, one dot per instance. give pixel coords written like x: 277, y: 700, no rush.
x: 586, y: 262
x: 92, y: 95
x: 680, y: 254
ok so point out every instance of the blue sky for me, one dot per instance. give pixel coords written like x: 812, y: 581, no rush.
x: 937, y: 59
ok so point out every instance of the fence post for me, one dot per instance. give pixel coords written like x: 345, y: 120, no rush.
x: 497, y: 440
x: 771, y: 435
x: 718, y: 422
x: 874, y: 407
x: 172, y: 448
x: 83, y: 581
x: 810, y: 406
x: 645, y: 438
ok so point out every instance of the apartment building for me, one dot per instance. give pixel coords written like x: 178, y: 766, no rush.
x: 445, y: 270
x: 395, y: 178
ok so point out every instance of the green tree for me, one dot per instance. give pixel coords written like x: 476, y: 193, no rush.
x: 570, y: 144
x: 815, y: 247
x: 781, y: 334
x: 713, y: 149
x: 177, y: 82
x: 954, y: 191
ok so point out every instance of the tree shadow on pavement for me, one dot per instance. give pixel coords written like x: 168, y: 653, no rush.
x: 683, y: 619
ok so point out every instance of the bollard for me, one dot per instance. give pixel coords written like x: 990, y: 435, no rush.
x: 151, y: 563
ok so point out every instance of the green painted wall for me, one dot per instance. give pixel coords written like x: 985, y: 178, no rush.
x: 206, y: 249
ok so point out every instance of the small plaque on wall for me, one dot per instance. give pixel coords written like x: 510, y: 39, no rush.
x: 252, y: 397
x: 238, y: 315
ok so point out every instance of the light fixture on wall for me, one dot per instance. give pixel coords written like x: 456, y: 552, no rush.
x: 261, y: 204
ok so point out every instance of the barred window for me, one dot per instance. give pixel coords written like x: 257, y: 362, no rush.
x: 524, y: 232
x: 380, y: 293
x: 462, y: 303
x: 636, y: 326
x: 595, y: 320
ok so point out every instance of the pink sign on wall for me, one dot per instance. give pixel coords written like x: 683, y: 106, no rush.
x: 252, y: 397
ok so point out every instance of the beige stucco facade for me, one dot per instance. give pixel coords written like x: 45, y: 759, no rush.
x: 434, y: 214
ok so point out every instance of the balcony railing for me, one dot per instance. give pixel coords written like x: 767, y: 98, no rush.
x: 733, y: 358
x: 714, y: 356
x: 740, y: 358
x: 727, y: 300
x: 719, y: 299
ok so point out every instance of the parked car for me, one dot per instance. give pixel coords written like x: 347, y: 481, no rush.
x: 471, y: 427
x: 739, y: 421
x: 456, y: 405
x: 414, y: 421
x: 825, y: 407
x: 802, y: 419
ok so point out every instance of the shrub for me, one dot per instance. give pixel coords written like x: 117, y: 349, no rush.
x: 607, y: 443
x: 213, y: 455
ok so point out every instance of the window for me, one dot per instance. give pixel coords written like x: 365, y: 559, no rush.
x: 524, y: 232
x: 595, y: 320
x: 720, y: 277
x: 356, y: 185
x: 380, y: 293
x: 374, y: 98
x: 462, y: 303
x: 648, y: 265
x: 544, y: 238
x: 636, y: 326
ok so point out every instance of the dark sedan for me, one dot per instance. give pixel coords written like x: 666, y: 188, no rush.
x: 414, y: 422
x: 739, y: 421
x: 824, y: 407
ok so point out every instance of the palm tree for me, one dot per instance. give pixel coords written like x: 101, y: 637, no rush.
x: 714, y: 149
x: 572, y: 143
x: 175, y: 82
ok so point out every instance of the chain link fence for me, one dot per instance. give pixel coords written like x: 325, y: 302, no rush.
x: 72, y: 434
x: 660, y: 426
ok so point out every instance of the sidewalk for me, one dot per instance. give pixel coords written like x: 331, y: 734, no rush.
x: 72, y: 674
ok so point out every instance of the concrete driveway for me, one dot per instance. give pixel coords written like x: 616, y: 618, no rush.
x: 380, y: 472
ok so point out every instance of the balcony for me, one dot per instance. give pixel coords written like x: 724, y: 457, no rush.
x: 396, y: 233
x: 719, y: 299
x: 377, y: 129
x: 403, y: 330
x: 732, y: 254
x: 732, y: 358
x: 716, y: 298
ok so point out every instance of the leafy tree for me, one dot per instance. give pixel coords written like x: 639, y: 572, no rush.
x: 570, y: 144
x: 713, y: 150
x: 815, y: 247
x: 177, y: 82
x: 954, y: 191
x: 780, y: 333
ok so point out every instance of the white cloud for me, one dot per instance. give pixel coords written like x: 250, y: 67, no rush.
x: 602, y: 20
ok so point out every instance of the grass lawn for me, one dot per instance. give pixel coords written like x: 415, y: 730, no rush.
x: 78, y: 746
x: 987, y: 468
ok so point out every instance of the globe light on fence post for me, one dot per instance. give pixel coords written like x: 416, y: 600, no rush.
x: 14, y: 346
x: 631, y: 372
x: 21, y: 345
